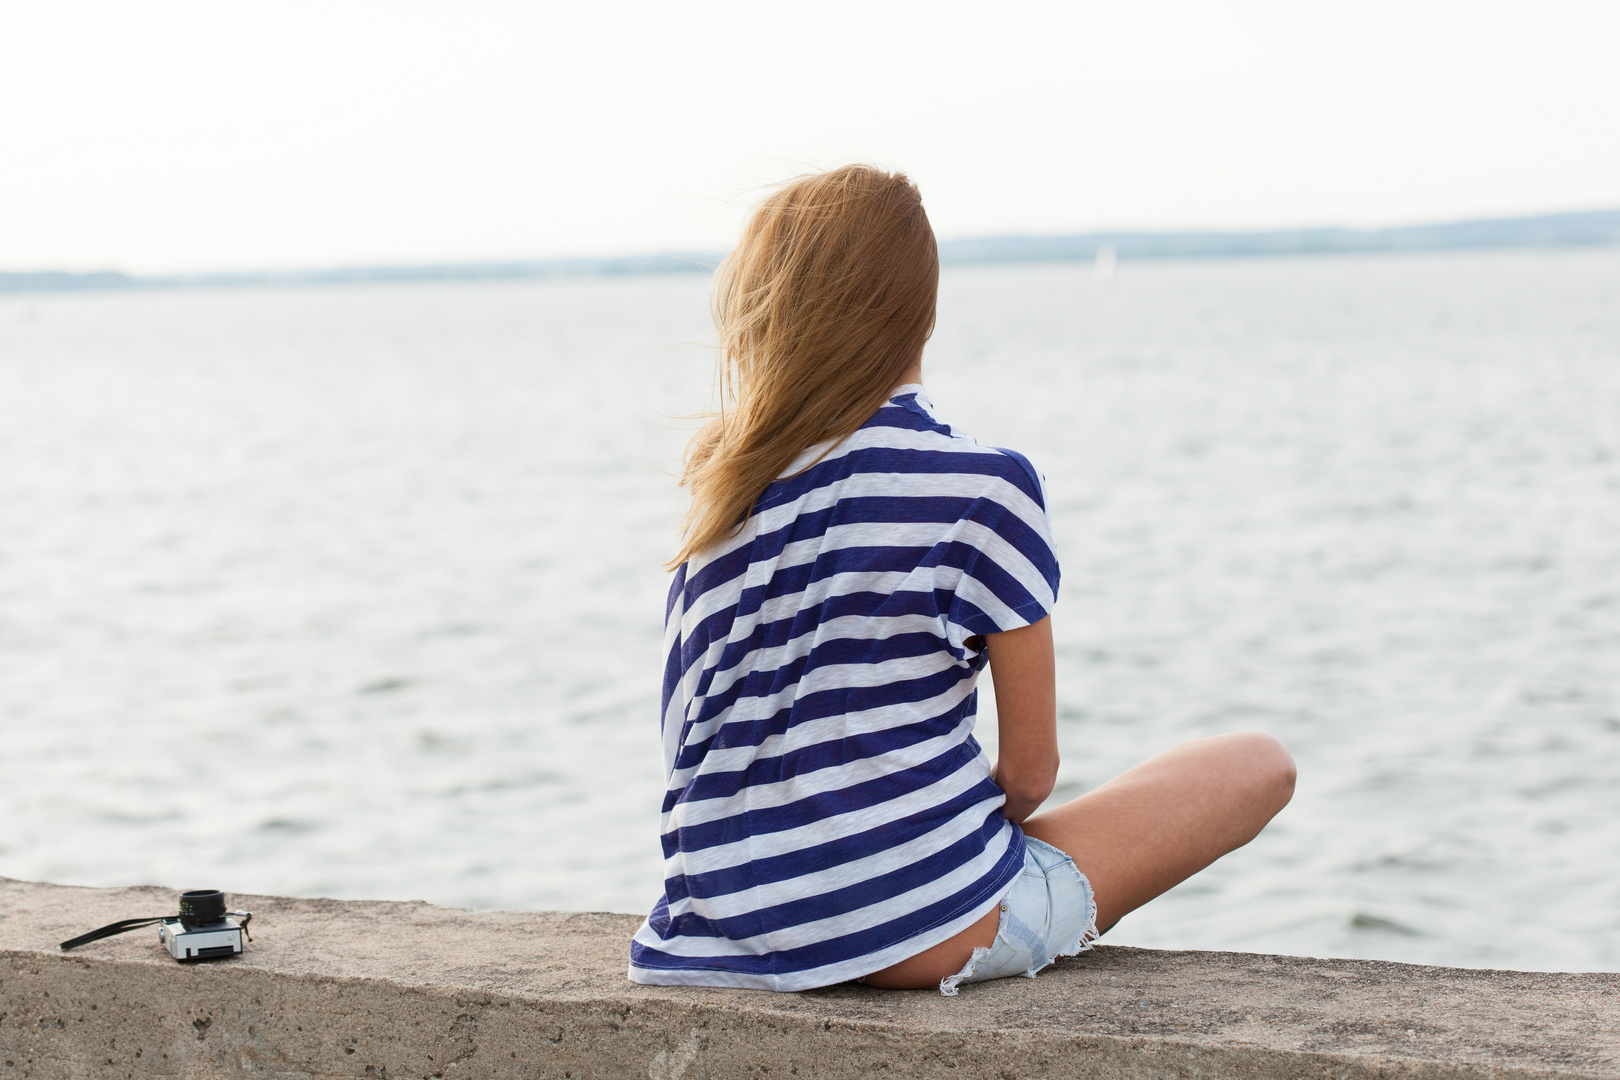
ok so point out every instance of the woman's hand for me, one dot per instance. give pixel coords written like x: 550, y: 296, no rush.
x: 1025, y: 675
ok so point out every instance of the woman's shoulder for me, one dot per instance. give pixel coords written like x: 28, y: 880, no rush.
x: 909, y: 419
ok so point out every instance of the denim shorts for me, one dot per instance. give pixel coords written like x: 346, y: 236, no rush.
x: 1048, y: 912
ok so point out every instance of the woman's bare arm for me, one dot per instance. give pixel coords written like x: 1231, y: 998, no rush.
x: 1025, y: 675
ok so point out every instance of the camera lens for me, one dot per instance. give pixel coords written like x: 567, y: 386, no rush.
x: 201, y: 907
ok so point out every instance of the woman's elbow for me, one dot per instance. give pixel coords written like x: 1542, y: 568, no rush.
x: 1030, y: 787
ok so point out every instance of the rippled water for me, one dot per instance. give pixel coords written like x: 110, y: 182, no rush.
x: 355, y: 591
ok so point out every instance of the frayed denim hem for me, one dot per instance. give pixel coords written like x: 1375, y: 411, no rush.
x: 1041, y: 920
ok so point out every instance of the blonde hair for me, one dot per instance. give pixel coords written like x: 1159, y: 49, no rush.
x: 823, y: 306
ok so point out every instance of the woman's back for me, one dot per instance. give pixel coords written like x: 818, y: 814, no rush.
x: 828, y: 811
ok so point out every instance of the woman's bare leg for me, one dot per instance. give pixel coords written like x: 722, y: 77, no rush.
x: 1141, y: 833
x: 1157, y: 825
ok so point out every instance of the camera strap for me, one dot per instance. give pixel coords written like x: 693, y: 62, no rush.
x: 124, y: 926
x: 110, y: 930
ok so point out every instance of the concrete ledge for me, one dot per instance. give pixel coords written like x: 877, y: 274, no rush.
x: 388, y: 991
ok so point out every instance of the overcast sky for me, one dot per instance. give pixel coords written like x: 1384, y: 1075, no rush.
x: 166, y: 135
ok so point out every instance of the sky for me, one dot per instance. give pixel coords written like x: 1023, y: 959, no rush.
x: 172, y: 136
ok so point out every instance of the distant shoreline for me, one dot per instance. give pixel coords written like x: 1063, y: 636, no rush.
x: 1588, y: 229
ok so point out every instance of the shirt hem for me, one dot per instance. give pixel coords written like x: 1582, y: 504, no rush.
x: 832, y: 974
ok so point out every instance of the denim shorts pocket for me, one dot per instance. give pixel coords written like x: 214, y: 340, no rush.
x: 1073, y: 922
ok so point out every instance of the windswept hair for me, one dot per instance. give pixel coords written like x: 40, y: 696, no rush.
x: 823, y: 306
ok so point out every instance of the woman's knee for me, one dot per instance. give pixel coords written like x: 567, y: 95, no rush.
x: 1268, y: 768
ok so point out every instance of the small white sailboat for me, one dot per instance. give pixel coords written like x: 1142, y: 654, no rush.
x: 1104, y: 264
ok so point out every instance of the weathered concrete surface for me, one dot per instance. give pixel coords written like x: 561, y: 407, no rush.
x: 387, y: 991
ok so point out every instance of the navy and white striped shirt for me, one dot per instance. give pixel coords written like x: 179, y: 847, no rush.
x: 828, y: 811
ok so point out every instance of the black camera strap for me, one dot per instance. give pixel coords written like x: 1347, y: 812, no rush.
x: 111, y: 929
x: 124, y: 926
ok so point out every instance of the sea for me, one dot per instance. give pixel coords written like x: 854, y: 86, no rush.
x: 356, y: 591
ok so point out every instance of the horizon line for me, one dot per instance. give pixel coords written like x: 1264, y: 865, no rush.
x: 1581, y: 228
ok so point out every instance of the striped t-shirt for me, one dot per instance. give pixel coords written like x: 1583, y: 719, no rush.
x: 828, y: 811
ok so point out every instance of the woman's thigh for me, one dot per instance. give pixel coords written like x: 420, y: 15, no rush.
x: 1142, y: 832
x: 1156, y: 825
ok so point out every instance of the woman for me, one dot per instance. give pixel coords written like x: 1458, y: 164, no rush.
x: 850, y: 564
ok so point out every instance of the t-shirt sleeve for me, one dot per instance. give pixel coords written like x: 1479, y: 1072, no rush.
x: 1002, y: 548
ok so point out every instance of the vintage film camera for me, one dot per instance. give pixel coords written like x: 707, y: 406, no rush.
x: 203, y: 929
